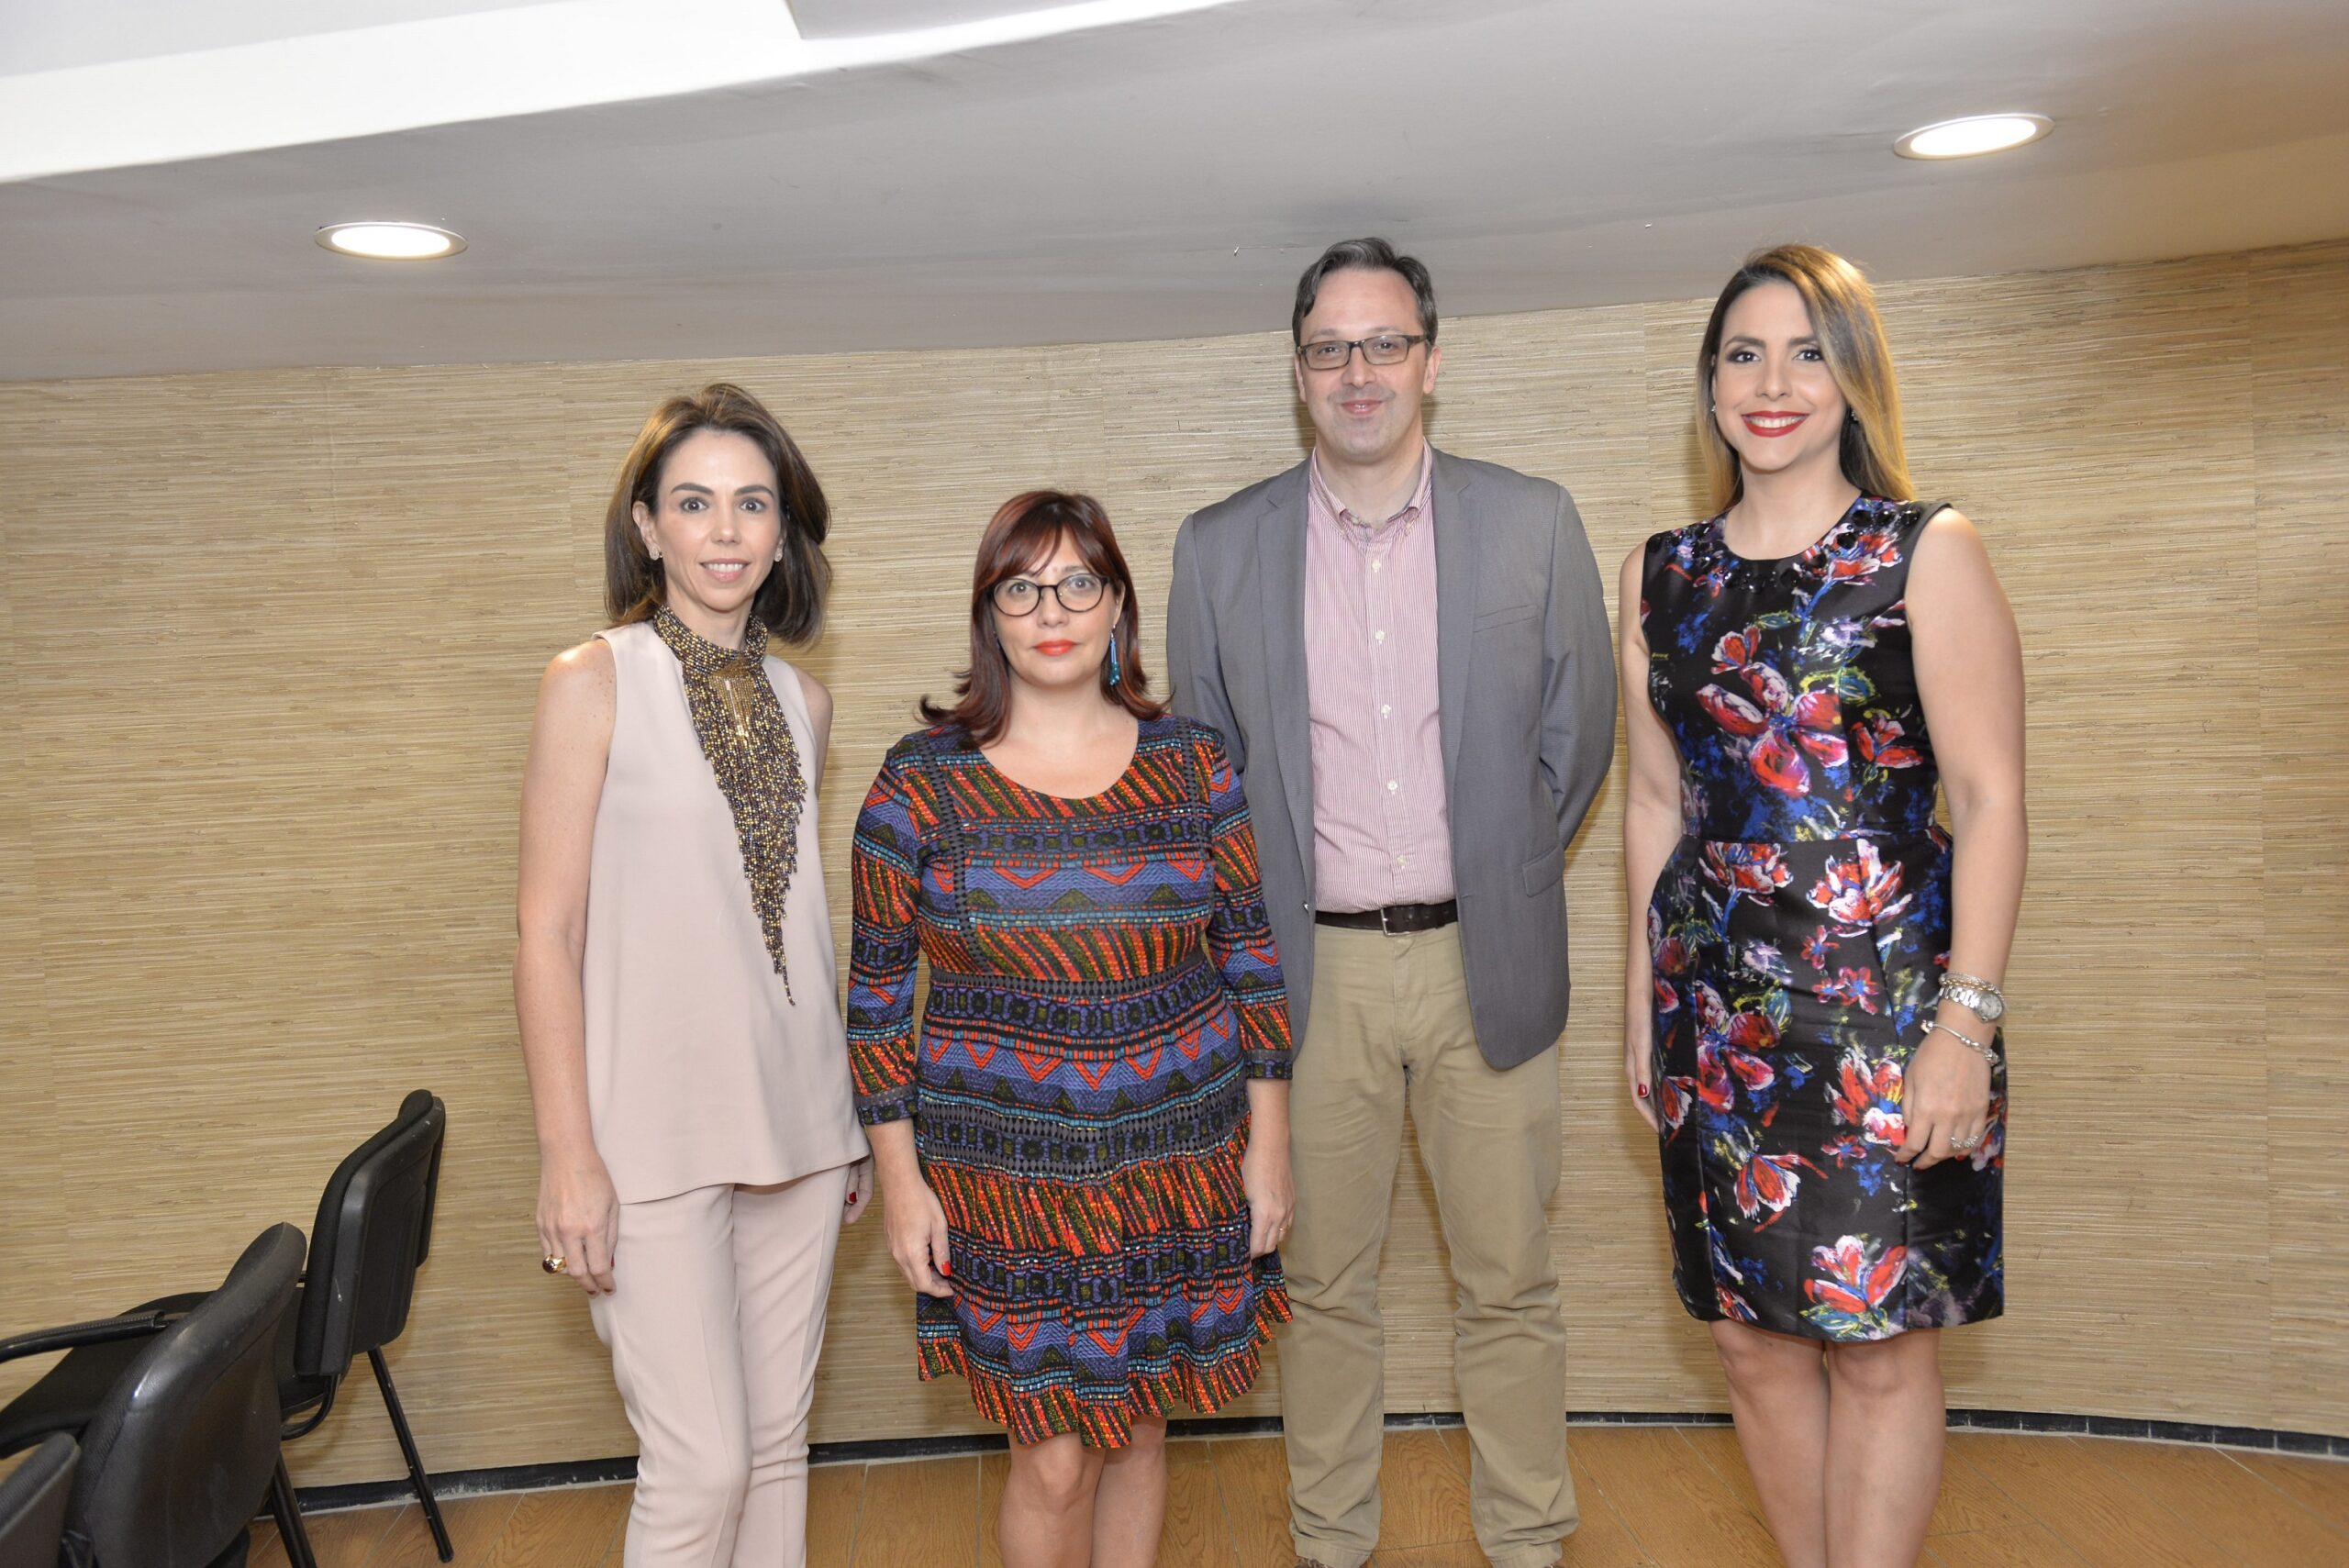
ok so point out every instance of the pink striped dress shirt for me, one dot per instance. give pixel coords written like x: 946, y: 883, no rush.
x: 1381, y: 825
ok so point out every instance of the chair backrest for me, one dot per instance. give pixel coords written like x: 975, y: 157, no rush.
x: 32, y: 1505
x: 181, y: 1452
x: 374, y: 1226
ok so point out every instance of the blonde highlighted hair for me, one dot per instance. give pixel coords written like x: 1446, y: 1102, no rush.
x: 1851, y: 336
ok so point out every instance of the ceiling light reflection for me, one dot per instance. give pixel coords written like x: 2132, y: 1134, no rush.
x: 388, y: 241
x: 1972, y: 135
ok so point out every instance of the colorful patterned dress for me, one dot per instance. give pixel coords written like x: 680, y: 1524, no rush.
x: 1102, y: 987
x: 1798, y: 933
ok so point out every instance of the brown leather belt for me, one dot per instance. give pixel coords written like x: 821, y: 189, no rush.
x: 1395, y: 919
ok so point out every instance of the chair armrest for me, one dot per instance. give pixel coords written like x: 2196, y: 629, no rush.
x: 98, y: 1331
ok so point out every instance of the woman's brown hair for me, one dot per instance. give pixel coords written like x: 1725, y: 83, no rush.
x: 790, y: 602
x: 1851, y: 336
x: 1020, y: 538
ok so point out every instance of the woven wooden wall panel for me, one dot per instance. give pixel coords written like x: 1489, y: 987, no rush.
x: 2300, y: 449
x: 2136, y: 967
x: 272, y: 641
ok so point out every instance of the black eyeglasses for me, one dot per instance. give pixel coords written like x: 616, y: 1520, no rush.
x: 1387, y: 349
x: 1078, y: 592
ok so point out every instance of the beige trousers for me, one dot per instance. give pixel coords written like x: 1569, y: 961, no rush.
x: 715, y: 1323
x: 1389, y: 1028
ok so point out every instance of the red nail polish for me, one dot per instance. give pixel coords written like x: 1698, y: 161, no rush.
x: 946, y: 1271
x: 1643, y: 1091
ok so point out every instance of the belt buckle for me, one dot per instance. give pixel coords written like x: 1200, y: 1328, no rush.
x: 1382, y: 920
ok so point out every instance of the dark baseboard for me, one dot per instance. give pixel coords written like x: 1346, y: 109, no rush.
x: 597, y: 1471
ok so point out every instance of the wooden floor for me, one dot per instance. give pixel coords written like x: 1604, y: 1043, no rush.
x: 1670, y: 1496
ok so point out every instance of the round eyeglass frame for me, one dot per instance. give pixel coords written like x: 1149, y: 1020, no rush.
x: 1101, y: 592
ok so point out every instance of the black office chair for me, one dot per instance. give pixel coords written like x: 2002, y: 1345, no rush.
x: 373, y: 1226
x: 183, y: 1448
x: 32, y: 1505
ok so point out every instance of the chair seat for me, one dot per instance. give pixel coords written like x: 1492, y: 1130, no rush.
x: 234, y: 1555
x: 68, y: 1395
x: 32, y: 1505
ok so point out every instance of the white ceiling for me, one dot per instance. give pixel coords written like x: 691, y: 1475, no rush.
x: 55, y: 35
x: 856, y: 18
x: 693, y: 178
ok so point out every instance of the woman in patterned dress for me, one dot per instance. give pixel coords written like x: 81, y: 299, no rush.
x: 1083, y: 1157
x: 1815, y: 962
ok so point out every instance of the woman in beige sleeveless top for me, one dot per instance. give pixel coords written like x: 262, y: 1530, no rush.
x: 674, y: 980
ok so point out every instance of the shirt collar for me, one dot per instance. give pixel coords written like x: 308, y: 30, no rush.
x: 1413, y: 509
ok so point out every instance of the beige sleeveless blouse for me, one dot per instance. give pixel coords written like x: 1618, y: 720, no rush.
x: 700, y: 1070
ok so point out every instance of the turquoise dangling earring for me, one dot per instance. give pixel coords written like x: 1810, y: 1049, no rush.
x: 1115, y: 674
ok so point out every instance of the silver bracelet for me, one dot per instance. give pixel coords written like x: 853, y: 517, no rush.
x: 1974, y: 992
x: 1933, y: 1026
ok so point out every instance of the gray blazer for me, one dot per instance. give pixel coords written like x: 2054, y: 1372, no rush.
x: 1526, y: 681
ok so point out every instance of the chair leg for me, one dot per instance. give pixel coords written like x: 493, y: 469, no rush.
x: 416, y: 1475
x: 288, y: 1512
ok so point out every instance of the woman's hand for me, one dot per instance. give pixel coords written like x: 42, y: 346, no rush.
x: 917, y: 1227
x: 860, y: 1191
x: 1271, y: 1194
x: 1639, y: 1064
x: 579, y: 1218
x: 1944, y: 1100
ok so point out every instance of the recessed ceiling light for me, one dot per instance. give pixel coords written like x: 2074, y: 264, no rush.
x: 1972, y: 135
x: 391, y: 241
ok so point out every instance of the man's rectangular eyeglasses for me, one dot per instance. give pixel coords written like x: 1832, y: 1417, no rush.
x: 1387, y: 349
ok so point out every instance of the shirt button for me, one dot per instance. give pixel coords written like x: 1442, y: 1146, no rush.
x: 1385, y: 708
x: 1374, y: 565
x: 1394, y: 784
x: 1402, y: 859
x: 1378, y: 637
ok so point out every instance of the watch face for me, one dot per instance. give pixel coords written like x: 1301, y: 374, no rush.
x: 1984, y: 1001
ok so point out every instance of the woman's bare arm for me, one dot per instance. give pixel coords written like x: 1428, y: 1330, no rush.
x: 562, y: 784
x: 1650, y: 829
x: 1969, y: 677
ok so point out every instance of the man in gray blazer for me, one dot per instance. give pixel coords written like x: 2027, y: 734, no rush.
x: 1408, y: 657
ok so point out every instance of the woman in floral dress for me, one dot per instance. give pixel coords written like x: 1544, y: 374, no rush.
x: 1815, y: 963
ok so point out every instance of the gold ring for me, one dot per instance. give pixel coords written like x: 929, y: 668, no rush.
x: 551, y: 1262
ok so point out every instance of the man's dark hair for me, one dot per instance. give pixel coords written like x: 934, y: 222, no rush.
x: 1371, y: 255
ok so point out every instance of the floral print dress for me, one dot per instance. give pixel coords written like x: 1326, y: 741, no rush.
x: 1798, y: 932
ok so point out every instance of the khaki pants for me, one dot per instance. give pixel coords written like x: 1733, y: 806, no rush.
x: 715, y: 1321
x: 1389, y: 1026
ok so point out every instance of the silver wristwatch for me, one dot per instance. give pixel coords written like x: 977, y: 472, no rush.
x: 1988, y: 1003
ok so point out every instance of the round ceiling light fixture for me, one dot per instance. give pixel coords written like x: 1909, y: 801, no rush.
x: 1972, y: 135
x: 387, y: 242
